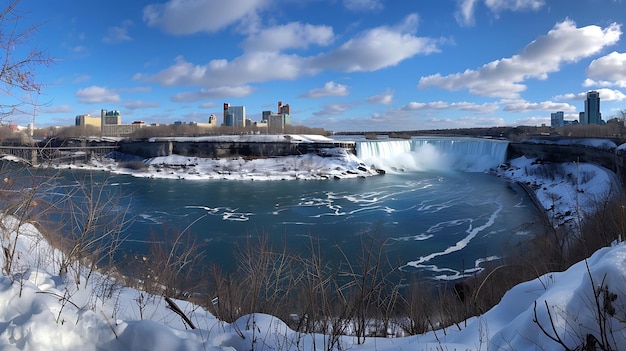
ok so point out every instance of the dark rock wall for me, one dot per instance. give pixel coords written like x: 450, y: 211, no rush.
x: 614, y: 160
x: 211, y: 149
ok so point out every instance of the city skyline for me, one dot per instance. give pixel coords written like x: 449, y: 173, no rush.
x: 343, y: 65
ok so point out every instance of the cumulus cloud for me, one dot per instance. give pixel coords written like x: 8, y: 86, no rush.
x: 329, y: 89
x: 96, y: 95
x: 609, y: 70
x: 605, y: 95
x: 332, y: 109
x: 289, y: 36
x: 181, y: 17
x: 532, y: 121
x: 58, y: 109
x: 384, y: 98
x: 519, y: 105
x: 462, y: 106
x: 372, y: 50
x: 118, y: 34
x: 570, y: 96
x: 81, y: 78
x: 611, y: 95
x: 252, y: 67
x: 213, y: 93
x: 465, y: 12
x: 208, y: 105
x: 504, y: 78
x: 377, y: 48
x: 498, y: 6
x: 363, y: 5
x: 466, y: 8
x: 138, y: 104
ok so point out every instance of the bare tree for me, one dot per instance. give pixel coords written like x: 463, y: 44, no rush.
x: 18, y: 65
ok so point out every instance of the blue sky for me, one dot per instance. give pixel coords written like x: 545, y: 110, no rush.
x: 340, y: 64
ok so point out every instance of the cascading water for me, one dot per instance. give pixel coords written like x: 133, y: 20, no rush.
x: 425, y: 154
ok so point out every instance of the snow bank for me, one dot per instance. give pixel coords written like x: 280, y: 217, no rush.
x: 41, y: 309
x: 568, y: 191
x: 336, y: 163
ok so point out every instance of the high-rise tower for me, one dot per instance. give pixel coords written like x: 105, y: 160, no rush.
x: 592, y: 108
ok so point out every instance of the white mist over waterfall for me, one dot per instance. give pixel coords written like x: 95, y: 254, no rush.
x: 425, y: 154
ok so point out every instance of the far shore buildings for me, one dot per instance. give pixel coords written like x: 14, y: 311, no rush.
x: 235, y: 116
x: 591, y: 115
x: 109, y: 123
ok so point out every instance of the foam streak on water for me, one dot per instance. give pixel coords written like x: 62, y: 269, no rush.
x: 471, y: 231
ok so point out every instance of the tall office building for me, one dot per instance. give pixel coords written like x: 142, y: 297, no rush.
x: 276, y: 122
x: 556, y: 119
x: 592, y: 108
x: 234, y: 116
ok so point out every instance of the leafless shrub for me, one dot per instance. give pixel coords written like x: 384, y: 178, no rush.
x: 93, y: 219
x: 607, y: 312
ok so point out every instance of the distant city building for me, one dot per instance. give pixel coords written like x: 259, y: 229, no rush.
x: 556, y: 119
x: 234, y: 116
x: 87, y: 120
x: 592, y: 113
x: 212, y: 122
x: 276, y: 122
x: 111, y: 124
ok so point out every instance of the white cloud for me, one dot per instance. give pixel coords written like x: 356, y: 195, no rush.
x: 497, y: 6
x: 81, y: 78
x: 465, y: 13
x: 118, y: 34
x: 330, y: 89
x: 377, y: 48
x: 570, y: 96
x: 605, y: 95
x: 213, y: 93
x: 332, y: 109
x: 503, y: 78
x: 58, y: 109
x: 251, y: 67
x: 609, y: 70
x: 288, y: 36
x: 363, y: 5
x: 384, y: 98
x: 611, y: 95
x: 96, y: 95
x: 532, y: 121
x: 466, y: 8
x: 373, y: 50
x: 462, y: 106
x: 525, y: 106
x: 208, y: 105
x: 138, y: 104
x: 192, y: 16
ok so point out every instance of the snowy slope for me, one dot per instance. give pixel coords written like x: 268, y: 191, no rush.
x: 40, y: 309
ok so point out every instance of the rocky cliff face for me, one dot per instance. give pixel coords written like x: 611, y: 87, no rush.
x: 600, y: 152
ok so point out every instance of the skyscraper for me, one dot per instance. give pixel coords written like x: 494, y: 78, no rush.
x: 556, y: 119
x: 592, y: 108
x: 234, y: 116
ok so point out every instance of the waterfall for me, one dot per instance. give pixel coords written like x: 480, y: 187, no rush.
x: 423, y: 154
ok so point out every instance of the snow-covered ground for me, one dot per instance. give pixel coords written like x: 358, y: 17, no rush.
x: 41, y: 309
x: 568, y: 191
x: 336, y: 164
